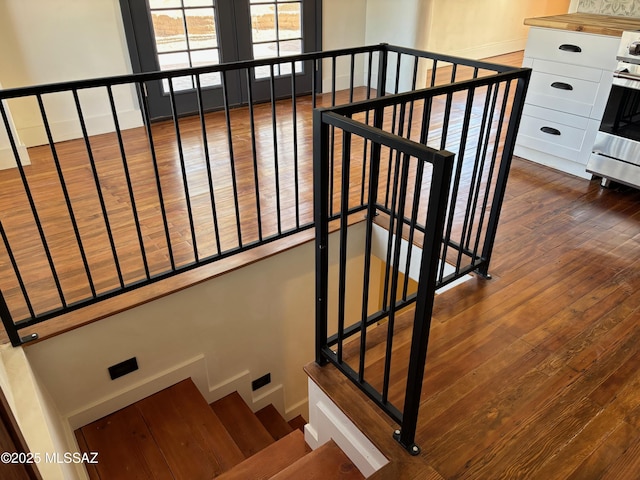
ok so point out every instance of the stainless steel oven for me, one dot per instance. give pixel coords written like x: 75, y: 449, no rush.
x: 616, y: 151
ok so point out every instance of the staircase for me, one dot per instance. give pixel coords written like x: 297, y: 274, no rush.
x: 175, y: 434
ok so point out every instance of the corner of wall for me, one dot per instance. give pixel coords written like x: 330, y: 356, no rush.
x: 41, y: 424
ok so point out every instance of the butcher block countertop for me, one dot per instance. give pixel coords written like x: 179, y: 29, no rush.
x: 587, y: 23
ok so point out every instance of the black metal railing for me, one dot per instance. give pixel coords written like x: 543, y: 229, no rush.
x: 107, y: 209
x: 436, y: 163
x: 115, y: 199
x: 408, y: 155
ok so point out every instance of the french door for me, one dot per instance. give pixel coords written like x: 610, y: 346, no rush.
x: 172, y: 34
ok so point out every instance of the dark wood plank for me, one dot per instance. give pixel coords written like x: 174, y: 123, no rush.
x: 298, y: 423
x: 275, y: 424
x: 126, y: 448
x: 271, y: 460
x: 92, y: 469
x: 327, y: 461
x: 243, y: 426
x: 192, y: 439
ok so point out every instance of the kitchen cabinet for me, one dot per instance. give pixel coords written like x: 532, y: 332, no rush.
x: 570, y: 83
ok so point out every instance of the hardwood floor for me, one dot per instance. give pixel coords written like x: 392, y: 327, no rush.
x: 535, y: 373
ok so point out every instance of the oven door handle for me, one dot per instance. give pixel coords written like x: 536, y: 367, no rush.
x: 626, y: 75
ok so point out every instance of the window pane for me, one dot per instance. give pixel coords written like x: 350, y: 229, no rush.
x: 168, y: 26
x: 290, y: 47
x: 179, y: 84
x: 289, y: 21
x: 201, y: 28
x: 201, y: 58
x: 199, y: 3
x: 265, y: 71
x: 263, y: 23
x: 210, y: 79
x: 172, y: 61
x: 265, y: 50
x: 285, y: 68
x: 164, y: 4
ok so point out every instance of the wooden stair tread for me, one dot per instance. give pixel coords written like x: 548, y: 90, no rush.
x: 271, y: 460
x: 244, y: 427
x: 275, y: 424
x: 126, y: 448
x: 326, y: 462
x: 194, y: 442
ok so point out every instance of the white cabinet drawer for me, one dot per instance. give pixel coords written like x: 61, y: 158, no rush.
x: 570, y: 141
x: 567, y: 70
x: 566, y: 94
x: 573, y: 47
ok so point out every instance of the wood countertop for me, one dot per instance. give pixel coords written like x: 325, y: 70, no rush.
x: 587, y: 23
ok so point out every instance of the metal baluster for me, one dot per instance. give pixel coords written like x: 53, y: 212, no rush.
x: 183, y: 169
x: 374, y: 171
x: 344, y: 225
x: 458, y: 175
x: 296, y: 173
x: 32, y: 204
x: 254, y: 151
x: 65, y: 192
x: 412, y: 226
x: 481, y: 155
x: 485, y: 200
x: 127, y: 175
x: 96, y: 180
x: 276, y: 165
x: 232, y: 162
x: 207, y: 159
x: 366, y: 140
x: 394, y: 277
x: 144, y: 105
x: 16, y: 270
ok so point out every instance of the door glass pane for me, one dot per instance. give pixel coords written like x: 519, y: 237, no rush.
x: 263, y: 23
x: 198, y: 3
x: 173, y: 61
x: 276, y: 31
x: 168, y: 26
x: 201, y: 28
x: 164, y: 4
x: 289, y: 21
x: 186, y: 37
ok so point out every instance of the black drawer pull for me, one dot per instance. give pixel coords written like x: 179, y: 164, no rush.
x: 567, y: 47
x: 550, y: 130
x: 562, y: 86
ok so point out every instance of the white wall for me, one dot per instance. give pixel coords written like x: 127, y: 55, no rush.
x: 483, y: 28
x: 224, y: 332
x: 343, y: 26
x: 49, y: 41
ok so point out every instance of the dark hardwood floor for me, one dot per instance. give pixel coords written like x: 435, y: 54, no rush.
x: 535, y: 373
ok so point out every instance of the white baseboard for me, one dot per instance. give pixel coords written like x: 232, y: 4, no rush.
x: 300, y: 408
x: 327, y: 421
x: 241, y: 383
x: 194, y: 368
x: 491, y: 49
x: 70, y: 129
x: 8, y: 160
